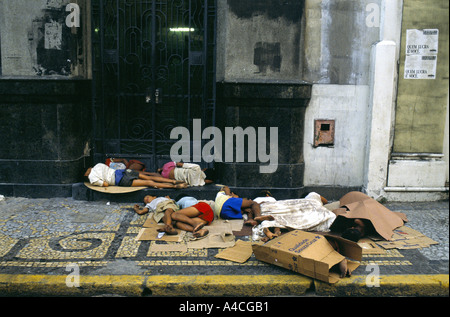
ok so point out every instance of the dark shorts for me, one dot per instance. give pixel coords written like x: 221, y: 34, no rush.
x: 231, y: 209
x: 126, y: 177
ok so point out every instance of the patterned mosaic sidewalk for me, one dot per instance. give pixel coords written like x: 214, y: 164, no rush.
x: 47, y: 236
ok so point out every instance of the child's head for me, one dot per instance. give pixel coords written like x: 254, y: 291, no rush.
x: 148, y: 199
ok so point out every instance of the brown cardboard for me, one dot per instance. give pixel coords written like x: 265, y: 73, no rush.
x: 406, y: 238
x: 114, y: 189
x: 370, y: 247
x: 240, y: 253
x: 308, y: 253
x: 152, y: 234
x: 213, y: 240
x: 358, y: 205
x: 150, y: 223
x: 168, y: 247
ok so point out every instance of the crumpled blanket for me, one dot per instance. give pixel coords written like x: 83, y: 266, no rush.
x: 306, y: 214
x: 191, y: 174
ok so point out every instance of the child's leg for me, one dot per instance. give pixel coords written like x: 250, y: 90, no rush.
x: 157, y: 179
x: 187, y: 219
x: 255, y: 210
x: 167, y: 219
x: 150, y: 183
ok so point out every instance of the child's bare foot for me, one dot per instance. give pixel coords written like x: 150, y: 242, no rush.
x: 168, y: 229
x: 344, y: 269
x: 181, y: 185
x: 251, y: 222
x: 277, y: 232
x: 200, y: 233
x: 268, y: 233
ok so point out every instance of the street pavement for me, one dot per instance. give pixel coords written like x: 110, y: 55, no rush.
x: 69, y: 247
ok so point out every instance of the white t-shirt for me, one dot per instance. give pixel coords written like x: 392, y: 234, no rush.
x: 154, y: 203
x: 261, y: 200
x: 102, y: 173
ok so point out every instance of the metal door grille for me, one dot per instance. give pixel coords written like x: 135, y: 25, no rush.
x: 154, y: 69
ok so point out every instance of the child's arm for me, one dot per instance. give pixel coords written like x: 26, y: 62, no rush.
x: 140, y: 211
x: 227, y: 190
x: 98, y: 182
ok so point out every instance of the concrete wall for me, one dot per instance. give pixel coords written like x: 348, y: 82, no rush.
x: 328, y: 45
x: 45, y: 98
x: 338, y: 38
x: 259, y: 41
x: 36, y: 41
x: 341, y: 164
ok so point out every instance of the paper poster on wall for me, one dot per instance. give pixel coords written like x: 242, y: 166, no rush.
x: 421, y: 54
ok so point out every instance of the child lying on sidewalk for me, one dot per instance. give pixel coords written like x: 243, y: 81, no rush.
x: 102, y: 175
x: 192, y: 218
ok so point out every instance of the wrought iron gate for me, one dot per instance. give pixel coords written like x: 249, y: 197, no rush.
x: 154, y: 69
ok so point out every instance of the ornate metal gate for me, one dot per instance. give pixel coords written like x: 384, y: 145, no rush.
x: 154, y: 69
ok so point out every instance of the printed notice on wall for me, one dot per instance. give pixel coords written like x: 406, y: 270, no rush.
x: 421, y: 54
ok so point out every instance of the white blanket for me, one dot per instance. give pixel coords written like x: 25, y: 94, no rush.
x: 191, y: 174
x: 306, y: 214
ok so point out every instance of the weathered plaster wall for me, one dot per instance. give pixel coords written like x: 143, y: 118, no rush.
x: 314, y: 41
x: 259, y: 41
x: 45, y: 100
x: 339, y: 36
x: 343, y: 163
x: 36, y: 41
x: 329, y: 45
x: 338, y: 39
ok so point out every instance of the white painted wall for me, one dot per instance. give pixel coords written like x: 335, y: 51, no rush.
x: 342, y: 164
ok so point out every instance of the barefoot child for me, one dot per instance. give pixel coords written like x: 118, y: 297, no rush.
x: 229, y: 206
x: 103, y: 175
x: 194, y: 218
x: 162, y: 208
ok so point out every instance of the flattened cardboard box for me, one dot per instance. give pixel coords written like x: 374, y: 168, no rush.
x: 309, y: 254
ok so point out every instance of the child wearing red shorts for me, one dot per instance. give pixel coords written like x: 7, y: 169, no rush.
x: 194, y: 218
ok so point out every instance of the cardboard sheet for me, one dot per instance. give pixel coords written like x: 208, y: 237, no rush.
x: 370, y: 247
x: 213, y: 240
x: 240, y: 253
x: 150, y: 222
x: 226, y: 225
x: 405, y: 238
x: 113, y: 189
x: 168, y: 247
x: 152, y: 234
x: 220, y: 235
x: 359, y: 205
